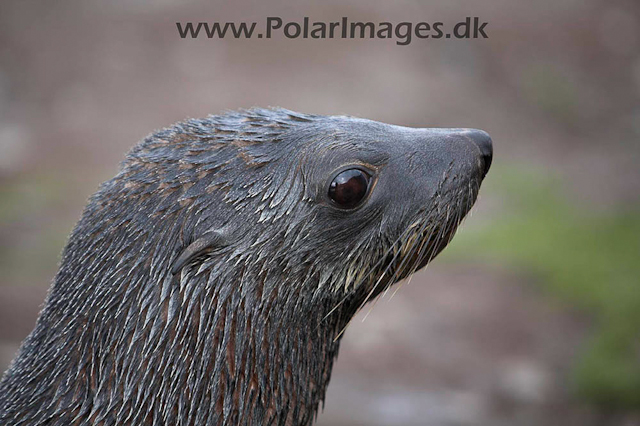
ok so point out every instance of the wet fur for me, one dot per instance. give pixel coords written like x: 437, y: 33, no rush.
x: 244, y: 333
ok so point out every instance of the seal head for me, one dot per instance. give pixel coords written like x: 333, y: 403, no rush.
x: 209, y: 282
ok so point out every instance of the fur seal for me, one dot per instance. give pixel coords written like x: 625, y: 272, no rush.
x: 209, y: 282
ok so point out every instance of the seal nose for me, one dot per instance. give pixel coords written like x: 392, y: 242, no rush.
x: 483, y: 141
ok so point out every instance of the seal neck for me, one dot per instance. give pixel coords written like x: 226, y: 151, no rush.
x: 203, y: 347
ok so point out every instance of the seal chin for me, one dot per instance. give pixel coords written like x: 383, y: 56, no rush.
x: 430, y: 231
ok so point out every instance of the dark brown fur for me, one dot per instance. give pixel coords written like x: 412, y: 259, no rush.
x: 243, y: 331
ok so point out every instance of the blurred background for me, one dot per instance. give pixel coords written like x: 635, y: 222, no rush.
x: 530, y: 317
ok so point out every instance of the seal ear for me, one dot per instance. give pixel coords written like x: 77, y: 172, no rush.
x: 208, y: 241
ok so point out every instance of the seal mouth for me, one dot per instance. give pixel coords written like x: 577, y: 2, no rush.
x: 422, y: 240
x: 430, y: 233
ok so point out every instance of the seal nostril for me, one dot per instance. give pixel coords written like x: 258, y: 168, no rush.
x: 483, y: 142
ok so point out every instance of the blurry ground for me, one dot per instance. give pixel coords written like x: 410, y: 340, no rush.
x: 472, y: 341
x: 467, y: 348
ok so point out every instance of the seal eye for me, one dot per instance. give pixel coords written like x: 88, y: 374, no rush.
x: 349, y: 188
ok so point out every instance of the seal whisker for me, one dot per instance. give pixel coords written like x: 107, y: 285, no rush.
x: 400, y: 269
x: 375, y: 286
x: 367, y: 274
x: 416, y: 262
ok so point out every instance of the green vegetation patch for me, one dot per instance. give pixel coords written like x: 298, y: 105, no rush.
x: 587, y: 259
